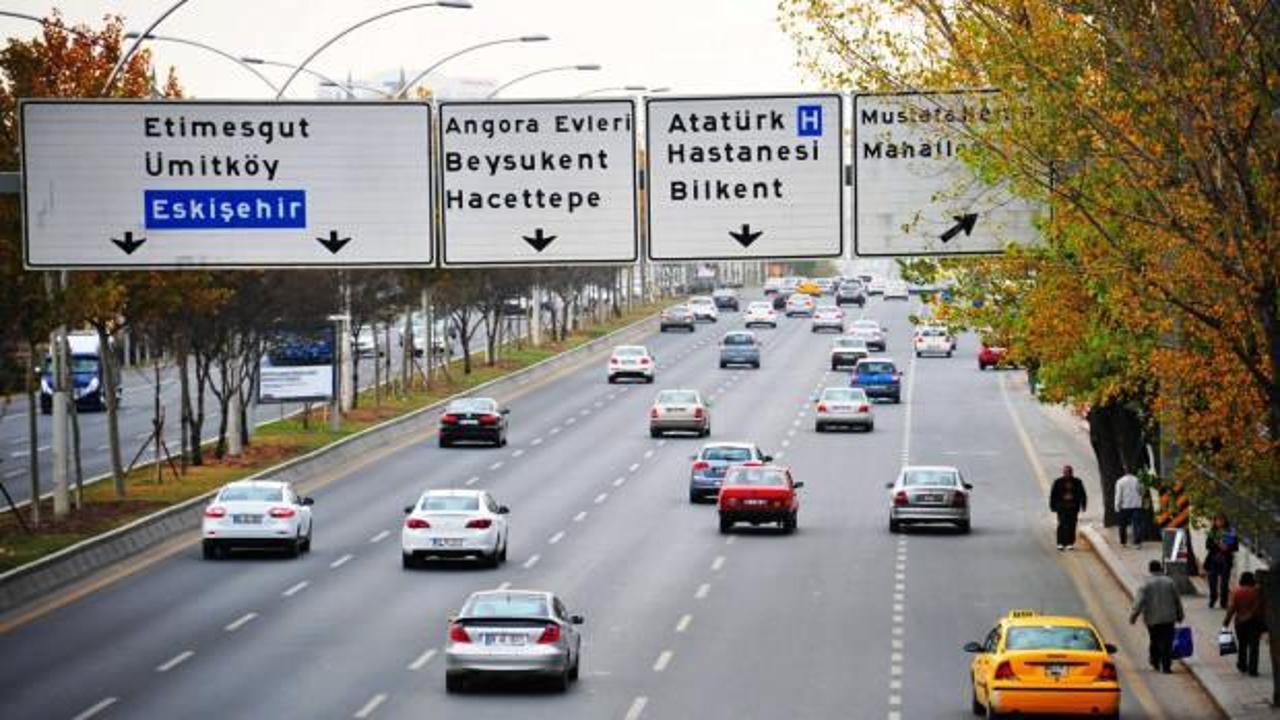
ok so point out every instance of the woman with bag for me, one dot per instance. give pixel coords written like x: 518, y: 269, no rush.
x: 1220, y: 547
x: 1246, y: 607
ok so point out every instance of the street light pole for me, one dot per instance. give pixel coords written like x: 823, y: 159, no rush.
x: 313, y: 73
x: 535, y: 73
x: 349, y: 86
x: 455, y: 4
x: 137, y: 42
x: 614, y: 89
x: 183, y: 41
x: 404, y: 89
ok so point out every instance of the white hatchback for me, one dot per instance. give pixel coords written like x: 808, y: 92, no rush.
x: 455, y: 524
x: 256, y: 514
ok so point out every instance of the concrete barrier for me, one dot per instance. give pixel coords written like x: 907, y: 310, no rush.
x: 52, y: 572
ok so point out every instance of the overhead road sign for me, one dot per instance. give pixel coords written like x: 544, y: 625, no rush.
x: 913, y: 194
x: 192, y: 184
x: 745, y: 177
x: 542, y: 182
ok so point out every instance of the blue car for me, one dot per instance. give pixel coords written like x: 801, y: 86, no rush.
x: 879, y: 377
x: 710, y: 465
x: 739, y: 348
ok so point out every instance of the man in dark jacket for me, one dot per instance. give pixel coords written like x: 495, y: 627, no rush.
x: 1160, y: 607
x: 1068, y: 500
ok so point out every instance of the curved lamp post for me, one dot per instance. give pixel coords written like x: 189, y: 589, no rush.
x: 209, y: 48
x: 618, y: 88
x: 324, y: 79
x: 137, y: 42
x: 419, y: 77
x: 535, y: 73
x: 347, y: 88
x: 456, y: 4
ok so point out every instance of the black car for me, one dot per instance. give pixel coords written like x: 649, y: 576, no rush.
x: 474, y: 419
x: 851, y: 293
x: 725, y: 299
x: 779, y: 301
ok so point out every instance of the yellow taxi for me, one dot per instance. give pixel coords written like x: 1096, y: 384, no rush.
x: 809, y: 287
x: 1043, y: 664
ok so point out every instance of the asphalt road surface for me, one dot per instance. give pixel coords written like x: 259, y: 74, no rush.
x: 840, y: 620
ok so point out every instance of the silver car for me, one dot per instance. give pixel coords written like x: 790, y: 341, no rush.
x: 679, y: 410
x: 513, y: 633
x: 844, y: 407
x: 847, y: 350
x: 828, y: 317
x: 929, y: 494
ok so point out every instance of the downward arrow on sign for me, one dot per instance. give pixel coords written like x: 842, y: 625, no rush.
x: 539, y: 241
x: 128, y: 244
x: 333, y: 243
x: 745, y: 237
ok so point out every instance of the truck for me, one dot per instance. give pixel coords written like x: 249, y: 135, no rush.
x: 88, y: 383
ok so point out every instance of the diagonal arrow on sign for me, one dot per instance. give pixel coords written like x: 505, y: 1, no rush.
x: 963, y: 222
x: 539, y: 241
x: 333, y: 243
x: 129, y: 243
x: 745, y: 237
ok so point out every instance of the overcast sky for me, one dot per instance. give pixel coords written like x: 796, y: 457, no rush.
x: 693, y: 46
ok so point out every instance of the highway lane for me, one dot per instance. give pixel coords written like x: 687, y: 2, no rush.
x: 681, y: 621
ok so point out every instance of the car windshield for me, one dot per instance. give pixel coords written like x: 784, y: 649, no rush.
x: 929, y: 478
x: 699, y: 301
x: 757, y: 476
x: 875, y: 368
x: 80, y: 365
x: 629, y: 351
x: 450, y: 503
x: 251, y: 493
x: 472, y: 405
x: 739, y: 339
x: 677, y: 309
x: 727, y: 454
x: 674, y: 397
x: 1051, y: 637
x: 506, y: 605
x: 844, y: 395
x: 797, y: 298
x: 869, y: 324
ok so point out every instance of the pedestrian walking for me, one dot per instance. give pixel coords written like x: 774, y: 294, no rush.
x: 1247, y: 607
x: 1067, y: 498
x: 1220, y: 547
x: 1160, y: 607
x: 1128, y: 505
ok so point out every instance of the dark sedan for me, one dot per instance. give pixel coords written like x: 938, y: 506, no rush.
x: 474, y: 419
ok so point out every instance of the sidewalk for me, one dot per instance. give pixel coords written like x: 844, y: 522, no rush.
x: 1237, y: 695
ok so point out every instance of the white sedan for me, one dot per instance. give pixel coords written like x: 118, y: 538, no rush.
x: 256, y: 514
x: 631, y: 361
x: 455, y: 524
x: 761, y: 313
x: 704, y: 308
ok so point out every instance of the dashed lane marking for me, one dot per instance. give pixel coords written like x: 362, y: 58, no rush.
x: 556, y: 538
x: 664, y: 659
x: 601, y: 498
x: 341, y: 561
x: 96, y: 708
x: 506, y: 584
x: 517, y: 453
x: 580, y: 516
x: 380, y: 536
x: 240, y: 622
x: 702, y: 591
x: 295, y: 589
x: 175, y: 661
x: 648, y: 454
x: 367, y: 709
x: 472, y: 480
x: 533, y: 560
x: 617, y: 482
x: 717, y: 563
x: 536, y: 441
x: 637, y: 708
x: 684, y: 623
x: 555, y: 430
x: 634, y: 467
x: 421, y: 661
x: 496, y: 465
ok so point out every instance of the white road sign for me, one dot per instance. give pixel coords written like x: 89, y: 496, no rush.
x: 180, y: 184
x: 912, y: 192
x: 538, y: 182
x: 733, y: 178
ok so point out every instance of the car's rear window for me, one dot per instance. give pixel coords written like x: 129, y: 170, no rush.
x: 447, y: 503
x: 667, y: 397
x: 875, y: 367
x: 933, y: 332
x: 844, y: 395
x: 250, y: 493
x: 739, y: 339
x: 506, y: 605
x: 728, y: 454
x: 628, y: 351
x: 930, y: 478
x: 849, y: 343
x: 472, y: 405
x: 870, y: 324
x: 757, y: 476
x: 1051, y: 637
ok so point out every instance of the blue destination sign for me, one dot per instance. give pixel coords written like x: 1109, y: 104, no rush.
x: 224, y: 209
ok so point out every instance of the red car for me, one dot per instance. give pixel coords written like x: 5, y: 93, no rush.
x: 757, y: 493
x: 991, y: 356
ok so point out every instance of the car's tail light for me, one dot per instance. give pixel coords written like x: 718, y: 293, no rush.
x: 653, y: 413
x: 701, y: 465
x: 488, y: 419
x: 613, y: 361
x: 480, y: 523
x: 448, y: 419
x: 864, y: 408
x: 417, y: 524
x: 1004, y: 671
x: 732, y: 501
x: 697, y: 412
x: 281, y: 512
x: 822, y: 407
x: 215, y: 511
x: 457, y: 633
x: 644, y: 361
x: 959, y: 500
x: 550, y: 634
x: 1108, y: 673
x: 779, y: 503
x: 900, y: 499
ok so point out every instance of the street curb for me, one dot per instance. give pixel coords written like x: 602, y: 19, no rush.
x: 38, y: 578
x: 1221, y: 697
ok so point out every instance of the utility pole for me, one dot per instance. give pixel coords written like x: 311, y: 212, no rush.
x: 235, y: 448
x: 335, y: 405
x: 61, y: 436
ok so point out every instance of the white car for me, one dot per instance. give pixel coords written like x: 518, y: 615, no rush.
x: 828, y: 318
x: 256, y: 514
x: 871, y: 333
x: 773, y: 285
x: 631, y: 361
x: 703, y: 308
x: 847, y: 350
x: 896, y: 291
x: 761, y: 313
x: 455, y: 524
x: 844, y: 407
x: 800, y: 304
x: 875, y: 286
x: 933, y: 341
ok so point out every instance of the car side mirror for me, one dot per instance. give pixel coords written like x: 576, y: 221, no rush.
x: 798, y: 485
x: 408, y: 509
x: 973, y: 647
x: 506, y: 411
x: 1111, y: 649
x: 693, y: 457
x: 503, y: 510
x: 577, y: 619
x: 888, y: 486
x: 967, y: 486
x: 308, y: 501
x: 768, y: 458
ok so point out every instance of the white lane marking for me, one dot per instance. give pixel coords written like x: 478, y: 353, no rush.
x: 634, y: 467
x: 895, y: 700
x: 14, y: 473
x: 778, y: 455
x: 472, y: 480
x: 702, y: 591
x: 895, y: 684
x: 175, y: 661
x: 617, y: 482
x: 899, y: 596
x: 899, y: 576
x: 536, y: 441
x: 717, y: 563
x: 420, y: 661
x: 906, y: 419
x: 240, y: 622
x: 791, y: 432
x: 796, y: 422
x: 897, y: 644
x: 684, y: 623
x: 661, y: 443
x: 97, y: 708
x: 664, y: 659
x: 897, y: 630
x: 729, y: 540
x: 897, y: 607
x: 601, y: 498
x: 506, y: 584
x: 785, y: 443
x: 380, y: 536
x: 555, y: 430
x: 895, y: 657
x: 295, y: 589
x: 897, y: 619
x: 579, y: 517
x: 517, y: 453
x: 341, y: 561
x: 900, y: 566
x: 636, y: 709
x: 370, y: 706
x: 894, y: 715
x: 496, y: 465
x: 648, y: 454
x: 599, y: 403
x: 570, y: 421
x: 531, y: 561
x: 102, y: 448
x: 584, y: 412
x: 556, y: 538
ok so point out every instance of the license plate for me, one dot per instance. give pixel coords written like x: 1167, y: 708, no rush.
x: 755, y: 502
x: 929, y: 498
x: 446, y: 542
x: 505, y: 639
x: 468, y: 422
x: 246, y: 519
x: 1055, y: 671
